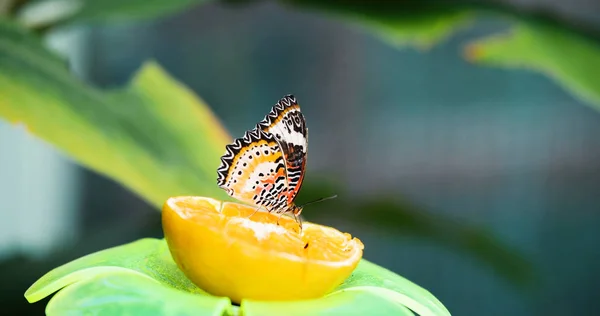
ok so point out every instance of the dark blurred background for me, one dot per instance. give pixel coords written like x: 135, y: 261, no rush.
x: 479, y: 184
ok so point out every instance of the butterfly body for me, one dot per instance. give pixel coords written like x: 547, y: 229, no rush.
x: 265, y: 167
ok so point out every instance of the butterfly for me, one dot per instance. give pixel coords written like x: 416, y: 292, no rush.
x: 265, y: 167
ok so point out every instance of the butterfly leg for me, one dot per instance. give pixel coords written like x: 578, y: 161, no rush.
x: 298, y: 220
x: 279, y: 217
x: 257, y: 209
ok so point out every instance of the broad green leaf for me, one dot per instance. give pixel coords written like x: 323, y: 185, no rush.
x: 155, y: 137
x: 399, y: 23
x: 570, y: 59
x: 150, y: 257
x: 123, y: 293
x: 369, y: 277
x: 339, y: 303
x: 142, y: 276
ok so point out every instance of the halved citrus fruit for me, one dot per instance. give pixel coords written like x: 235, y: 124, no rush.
x: 230, y: 249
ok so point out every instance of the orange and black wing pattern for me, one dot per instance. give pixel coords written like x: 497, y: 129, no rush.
x: 287, y: 124
x: 253, y: 171
x: 265, y: 167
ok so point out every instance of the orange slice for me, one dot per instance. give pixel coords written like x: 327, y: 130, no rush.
x: 229, y: 250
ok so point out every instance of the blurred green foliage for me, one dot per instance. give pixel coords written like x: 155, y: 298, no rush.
x: 538, y: 42
x: 156, y: 137
x: 159, y: 139
x: 399, y: 23
x: 568, y: 58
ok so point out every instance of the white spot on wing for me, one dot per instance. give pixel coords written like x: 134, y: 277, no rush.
x: 292, y: 137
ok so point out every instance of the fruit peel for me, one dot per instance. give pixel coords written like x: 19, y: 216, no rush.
x: 245, y: 255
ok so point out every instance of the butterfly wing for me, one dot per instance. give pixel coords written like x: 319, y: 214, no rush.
x: 286, y: 123
x: 253, y: 170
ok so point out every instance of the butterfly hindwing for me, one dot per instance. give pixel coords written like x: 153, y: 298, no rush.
x: 286, y: 123
x: 253, y: 170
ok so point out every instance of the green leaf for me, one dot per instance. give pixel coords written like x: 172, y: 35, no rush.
x: 421, y: 30
x: 150, y: 257
x: 339, y: 303
x: 398, y: 23
x: 155, y: 137
x: 568, y: 58
x: 141, y: 277
x: 123, y: 293
x: 136, y: 278
x: 370, y: 277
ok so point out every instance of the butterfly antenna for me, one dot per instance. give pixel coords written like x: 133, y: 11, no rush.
x: 319, y: 200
